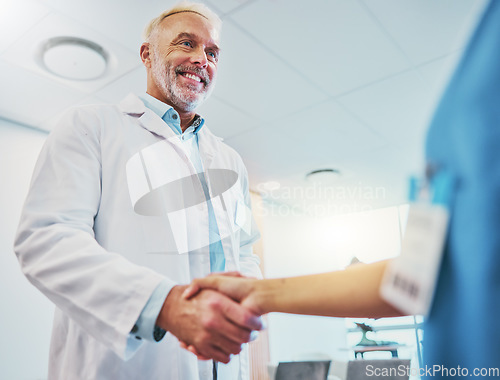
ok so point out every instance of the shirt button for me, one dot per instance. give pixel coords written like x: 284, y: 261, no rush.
x: 174, y: 116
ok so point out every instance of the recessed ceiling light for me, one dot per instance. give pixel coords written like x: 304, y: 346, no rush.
x: 73, y: 58
x: 323, y: 176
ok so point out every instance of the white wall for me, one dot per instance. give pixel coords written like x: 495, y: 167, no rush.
x: 297, y: 244
x: 26, y: 317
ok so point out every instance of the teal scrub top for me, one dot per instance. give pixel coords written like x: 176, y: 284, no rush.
x: 464, y: 138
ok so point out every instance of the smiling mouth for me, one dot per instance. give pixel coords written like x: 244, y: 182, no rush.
x: 193, y: 73
x: 192, y: 76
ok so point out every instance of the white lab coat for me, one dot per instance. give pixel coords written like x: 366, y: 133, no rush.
x: 86, y: 244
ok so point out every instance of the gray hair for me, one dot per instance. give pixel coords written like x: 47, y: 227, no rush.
x: 184, y: 6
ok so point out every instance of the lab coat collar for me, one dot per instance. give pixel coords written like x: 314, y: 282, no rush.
x: 149, y: 120
x: 132, y: 105
x: 208, y: 143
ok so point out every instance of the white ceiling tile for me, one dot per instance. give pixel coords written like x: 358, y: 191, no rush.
x: 31, y: 99
x: 24, y: 51
x: 134, y: 81
x: 373, y: 178
x: 252, y: 79
x: 329, y: 133
x: 391, y: 168
x: 225, y: 120
x: 438, y: 72
x: 427, y: 29
x: 333, y: 43
x: 391, y: 161
x: 398, y: 108
x: 227, y: 6
x: 18, y: 16
x: 269, y: 155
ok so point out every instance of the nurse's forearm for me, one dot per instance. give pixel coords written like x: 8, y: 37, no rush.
x: 353, y: 292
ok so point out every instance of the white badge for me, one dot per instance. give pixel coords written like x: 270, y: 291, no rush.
x: 410, y: 279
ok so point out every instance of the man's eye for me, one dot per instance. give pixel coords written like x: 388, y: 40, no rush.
x: 212, y: 54
x: 187, y: 43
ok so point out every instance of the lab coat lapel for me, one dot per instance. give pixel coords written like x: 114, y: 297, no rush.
x: 153, y: 123
x: 208, y: 145
x: 150, y: 121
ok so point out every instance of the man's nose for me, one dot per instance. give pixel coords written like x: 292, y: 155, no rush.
x: 199, y: 58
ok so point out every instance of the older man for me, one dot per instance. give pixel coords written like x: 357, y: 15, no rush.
x: 127, y: 203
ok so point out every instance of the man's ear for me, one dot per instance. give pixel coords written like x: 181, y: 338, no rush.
x: 145, y: 54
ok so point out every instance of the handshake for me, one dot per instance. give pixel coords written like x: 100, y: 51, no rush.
x: 213, y: 316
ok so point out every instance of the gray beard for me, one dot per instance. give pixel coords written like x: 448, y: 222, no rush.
x: 178, y: 96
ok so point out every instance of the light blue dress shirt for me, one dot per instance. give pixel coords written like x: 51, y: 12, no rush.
x: 145, y: 325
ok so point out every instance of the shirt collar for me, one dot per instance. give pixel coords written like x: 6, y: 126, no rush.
x: 170, y: 115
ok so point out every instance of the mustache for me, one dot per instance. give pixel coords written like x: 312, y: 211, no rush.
x: 195, y: 70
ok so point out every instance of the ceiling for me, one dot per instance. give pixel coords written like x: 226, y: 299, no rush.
x: 302, y: 85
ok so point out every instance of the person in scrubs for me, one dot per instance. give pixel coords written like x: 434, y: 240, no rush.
x: 461, y: 337
x: 130, y: 202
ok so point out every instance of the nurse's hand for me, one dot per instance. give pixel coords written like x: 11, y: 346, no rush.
x: 212, y: 323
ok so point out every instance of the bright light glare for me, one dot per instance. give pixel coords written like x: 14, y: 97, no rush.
x: 370, y: 236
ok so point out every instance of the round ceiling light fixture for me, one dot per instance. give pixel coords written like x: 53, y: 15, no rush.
x: 73, y: 58
x: 323, y: 177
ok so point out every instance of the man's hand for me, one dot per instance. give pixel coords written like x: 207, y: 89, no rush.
x: 213, y: 324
